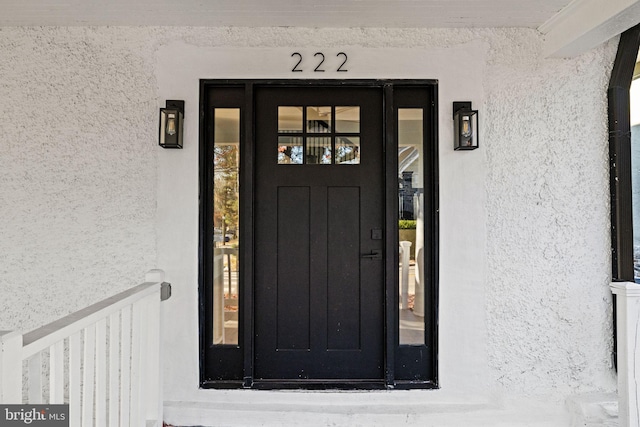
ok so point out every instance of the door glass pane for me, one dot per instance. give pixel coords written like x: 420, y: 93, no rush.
x: 289, y: 150
x: 289, y: 119
x: 319, y: 151
x: 318, y: 119
x: 411, y: 226
x: 635, y: 168
x: 226, y: 203
x: 347, y: 150
x: 348, y: 119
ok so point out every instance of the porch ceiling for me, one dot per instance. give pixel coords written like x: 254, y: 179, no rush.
x: 306, y: 13
x: 570, y: 26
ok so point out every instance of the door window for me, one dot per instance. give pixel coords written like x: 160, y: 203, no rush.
x: 331, y: 135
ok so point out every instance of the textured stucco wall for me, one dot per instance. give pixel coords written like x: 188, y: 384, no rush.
x: 549, y: 315
x: 77, y: 169
x: 79, y: 184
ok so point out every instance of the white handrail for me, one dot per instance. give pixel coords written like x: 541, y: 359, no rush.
x: 45, y: 336
x: 113, y: 360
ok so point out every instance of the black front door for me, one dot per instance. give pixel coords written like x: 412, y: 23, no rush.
x: 319, y: 211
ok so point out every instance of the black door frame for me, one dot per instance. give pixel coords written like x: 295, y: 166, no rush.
x: 238, y: 369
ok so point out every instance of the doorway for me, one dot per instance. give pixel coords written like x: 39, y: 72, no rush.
x: 305, y: 290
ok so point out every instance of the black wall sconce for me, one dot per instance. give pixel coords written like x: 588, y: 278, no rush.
x: 171, y: 124
x: 465, y: 126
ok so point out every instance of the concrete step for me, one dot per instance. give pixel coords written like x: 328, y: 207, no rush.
x: 366, y: 409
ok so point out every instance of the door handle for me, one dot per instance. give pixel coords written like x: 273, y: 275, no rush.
x: 375, y: 254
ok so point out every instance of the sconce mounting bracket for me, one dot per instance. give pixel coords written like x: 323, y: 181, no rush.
x: 457, y: 106
x: 179, y: 105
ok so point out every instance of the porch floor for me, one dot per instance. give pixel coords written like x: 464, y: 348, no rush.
x: 365, y: 409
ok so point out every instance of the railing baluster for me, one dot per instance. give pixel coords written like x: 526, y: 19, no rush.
x: 153, y: 383
x: 114, y: 369
x: 101, y: 373
x: 75, y: 362
x: 136, y: 337
x: 125, y: 361
x: 88, y: 375
x: 56, y: 373
x: 35, y: 379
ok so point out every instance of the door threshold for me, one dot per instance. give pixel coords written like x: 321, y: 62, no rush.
x: 320, y: 384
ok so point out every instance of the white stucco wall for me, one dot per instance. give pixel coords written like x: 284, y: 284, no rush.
x: 548, y: 240
x: 90, y: 202
x: 77, y: 169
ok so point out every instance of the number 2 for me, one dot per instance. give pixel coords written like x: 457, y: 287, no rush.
x: 317, y: 69
x: 340, y: 69
x: 295, y: 68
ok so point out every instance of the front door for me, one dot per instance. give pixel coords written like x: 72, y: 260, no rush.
x: 319, y: 211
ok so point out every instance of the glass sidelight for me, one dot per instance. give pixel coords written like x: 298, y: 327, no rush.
x: 226, y: 225
x: 411, y: 226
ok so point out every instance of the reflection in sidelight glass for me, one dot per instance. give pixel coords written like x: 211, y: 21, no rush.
x: 226, y: 203
x: 411, y: 226
x: 347, y: 150
x: 318, y: 119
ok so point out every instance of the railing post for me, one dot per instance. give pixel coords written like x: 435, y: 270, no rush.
x: 628, y: 336
x: 153, y: 377
x: 10, y: 367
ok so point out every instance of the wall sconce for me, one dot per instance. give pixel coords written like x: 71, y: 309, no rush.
x: 171, y: 118
x: 465, y: 126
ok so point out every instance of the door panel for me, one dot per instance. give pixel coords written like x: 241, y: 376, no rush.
x: 319, y: 305
x: 343, y: 317
x: 293, y: 258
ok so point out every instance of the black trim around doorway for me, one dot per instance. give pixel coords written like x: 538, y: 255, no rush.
x: 232, y: 366
x: 620, y: 156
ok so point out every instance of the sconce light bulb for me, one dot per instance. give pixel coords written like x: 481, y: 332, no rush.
x: 171, y: 124
x: 466, y: 126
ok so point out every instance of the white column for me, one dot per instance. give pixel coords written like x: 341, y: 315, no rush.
x: 405, y: 253
x: 418, y: 304
x: 628, y: 336
x: 218, y: 298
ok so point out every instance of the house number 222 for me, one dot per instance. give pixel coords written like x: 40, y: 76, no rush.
x: 319, y: 59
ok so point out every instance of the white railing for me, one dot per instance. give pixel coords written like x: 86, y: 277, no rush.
x: 628, y: 338
x: 104, y: 360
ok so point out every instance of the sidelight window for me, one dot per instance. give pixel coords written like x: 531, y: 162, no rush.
x: 411, y: 226
x: 635, y: 167
x: 226, y: 225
